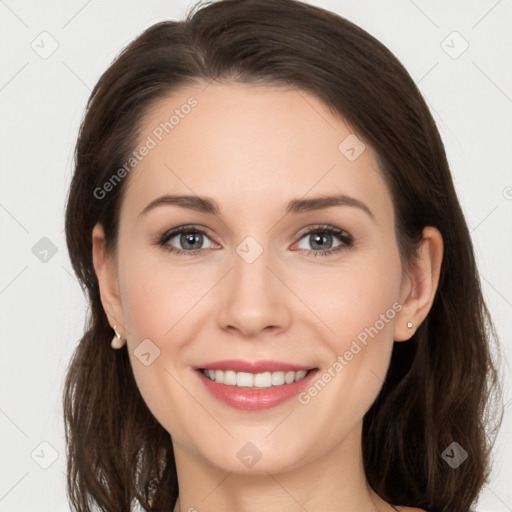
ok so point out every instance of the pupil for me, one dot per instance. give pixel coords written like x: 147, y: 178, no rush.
x: 320, y: 241
x: 189, y: 239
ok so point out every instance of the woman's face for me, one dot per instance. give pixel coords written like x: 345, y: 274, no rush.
x: 278, y: 275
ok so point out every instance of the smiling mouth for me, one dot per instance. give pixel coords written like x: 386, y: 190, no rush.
x: 254, y: 380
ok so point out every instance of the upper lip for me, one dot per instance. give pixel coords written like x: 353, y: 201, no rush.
x: 239, y: 365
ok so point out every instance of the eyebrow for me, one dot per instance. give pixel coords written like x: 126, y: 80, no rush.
x: 207, y: 205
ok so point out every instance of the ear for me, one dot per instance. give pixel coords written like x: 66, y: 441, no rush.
x: 106, y: 273
x: 419, y: 286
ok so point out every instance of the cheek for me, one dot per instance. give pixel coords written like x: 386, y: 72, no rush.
x: 160, y: 303
x: 155, y: 303
x: 159, y: 297
x: 358, y: 302
x: 359, y: 305
x: 362, y: 315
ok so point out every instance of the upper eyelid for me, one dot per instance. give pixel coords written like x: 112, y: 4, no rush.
x: 187, y: 227
x: 319, y: 227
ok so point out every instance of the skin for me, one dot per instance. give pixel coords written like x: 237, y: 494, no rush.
x: 253, y: 149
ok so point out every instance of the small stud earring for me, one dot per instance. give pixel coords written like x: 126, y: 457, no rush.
x: 409, y: 324
x: 117, y: 342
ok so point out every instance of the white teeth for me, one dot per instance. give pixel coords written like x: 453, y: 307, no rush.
x: 256, y: 380
x: 300, y: 375
x: 277, y: 378
x: 229, y: 378
x: 242, y: 380
x: 263, y: 380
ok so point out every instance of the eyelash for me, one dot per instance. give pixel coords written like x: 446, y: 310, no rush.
x: 345, y: 237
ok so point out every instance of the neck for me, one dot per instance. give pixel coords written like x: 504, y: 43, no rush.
x: 334, y: 477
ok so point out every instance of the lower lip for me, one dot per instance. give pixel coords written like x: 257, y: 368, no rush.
x: 255, y: 399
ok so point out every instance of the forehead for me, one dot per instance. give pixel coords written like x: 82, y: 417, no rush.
x: 253, y: 145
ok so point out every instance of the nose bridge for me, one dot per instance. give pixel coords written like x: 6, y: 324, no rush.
x: 251, y: 298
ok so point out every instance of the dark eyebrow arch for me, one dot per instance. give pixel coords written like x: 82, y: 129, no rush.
x: 206, y: 205
x: 201, y: 204
x: 319, y: 203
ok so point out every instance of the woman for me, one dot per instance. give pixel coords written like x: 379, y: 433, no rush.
x: 264, y: 220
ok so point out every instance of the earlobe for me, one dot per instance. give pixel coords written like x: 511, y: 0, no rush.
x: 420, y: 286
x: 106, y: 274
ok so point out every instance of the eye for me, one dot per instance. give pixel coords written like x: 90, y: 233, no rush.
x: 185, y: 240
x: 321, y: 240
x: 189, y: 240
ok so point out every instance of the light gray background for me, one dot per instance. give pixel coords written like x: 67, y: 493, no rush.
x: 42, y: 101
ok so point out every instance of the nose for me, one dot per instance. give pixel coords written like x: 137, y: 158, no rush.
x: 253, y: 298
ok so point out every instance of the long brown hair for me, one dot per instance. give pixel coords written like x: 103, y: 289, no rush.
x: 439, y: 386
